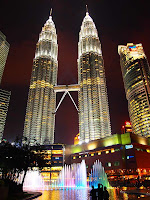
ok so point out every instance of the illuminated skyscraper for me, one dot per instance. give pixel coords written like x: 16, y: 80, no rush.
x: 4, y: 49
x: 40, y: 118
x: 136, y: 76
x: 94, y: 119
x: 4, y: 103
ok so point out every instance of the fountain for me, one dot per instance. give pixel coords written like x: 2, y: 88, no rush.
x: 73, y: 176
x: 98, y: 175
x: 33, y: 181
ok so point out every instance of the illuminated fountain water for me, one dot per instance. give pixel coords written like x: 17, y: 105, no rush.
x: 33, y: 181
x: 73, y: 176
x: 98, y: 175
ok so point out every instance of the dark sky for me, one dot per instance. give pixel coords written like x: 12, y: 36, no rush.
x: 117, y: 22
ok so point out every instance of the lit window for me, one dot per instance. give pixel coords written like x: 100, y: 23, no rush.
x: 108, y: 164
x: 112, y: 150
x: 117, y: 149
x: 128, y: 157
x: 92, y: 154
x: 99, y: 153
x: 74, y: 157
x: 107, y: 152
x: 148, y: 150
x: 117, y: 163
x: 79, y: 156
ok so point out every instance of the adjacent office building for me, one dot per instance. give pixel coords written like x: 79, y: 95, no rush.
x: 4, y: 103
x: 4, y: 95
x: 4, y: 49
x: 136, y: 76
x: 94, y: 119
x: 40, y: 117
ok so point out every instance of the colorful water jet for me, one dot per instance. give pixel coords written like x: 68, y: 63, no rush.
x: 98, y: 175
x: 73, y: 176
x: 33, y: 181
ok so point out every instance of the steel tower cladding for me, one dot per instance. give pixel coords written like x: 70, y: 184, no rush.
x: 4, y: 49
x: 136, y: 76
x: 40, y: 118
x: 94, y: 119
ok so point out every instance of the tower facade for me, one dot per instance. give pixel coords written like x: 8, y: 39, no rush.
x: 4, y: 49
x: 94, y: 119
x: 136, y: 77
x: 4, y: 103
x: 40, y: 117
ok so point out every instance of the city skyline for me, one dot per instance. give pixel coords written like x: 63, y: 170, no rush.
x: 24, y: 35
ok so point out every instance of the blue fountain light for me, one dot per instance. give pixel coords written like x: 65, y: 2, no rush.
x: 98, y: 175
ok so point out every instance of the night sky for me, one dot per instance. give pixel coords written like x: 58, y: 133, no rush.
x: 117, y: 22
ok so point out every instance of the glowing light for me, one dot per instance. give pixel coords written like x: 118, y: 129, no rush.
x: 86, y: 140
x: 127, y: 123
x: 112, y: 150
x: 92, y: 146
x: 129, y: 146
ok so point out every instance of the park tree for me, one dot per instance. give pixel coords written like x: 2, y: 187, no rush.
x: 16, y: 159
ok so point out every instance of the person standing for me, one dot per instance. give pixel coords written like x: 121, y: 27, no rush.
x: 100, y: 192
x: 93, y: 193
x: 105, y: 194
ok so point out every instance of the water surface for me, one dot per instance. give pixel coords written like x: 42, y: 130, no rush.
x: 84, y: 194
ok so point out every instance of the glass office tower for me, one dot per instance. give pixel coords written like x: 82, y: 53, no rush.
x: 4, y: 49
x: 94, y: 119
x: 40, y: 117
x: 136, y: 76
x: 4, y: 103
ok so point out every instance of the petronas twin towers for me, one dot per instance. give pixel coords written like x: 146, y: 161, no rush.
x: 94, y: 119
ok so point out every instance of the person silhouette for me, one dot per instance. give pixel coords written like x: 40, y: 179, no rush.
x: 105, y: 194
x: 100, y: 192
x: 93, y: 193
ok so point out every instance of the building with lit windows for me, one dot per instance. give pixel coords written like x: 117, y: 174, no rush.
x: 123, y: 156
x: 40, y: 117
x: 136, y: 76
x: 54, y: 156
x: 4, y: 103
x: 4, y: 49
x: 94, y: 119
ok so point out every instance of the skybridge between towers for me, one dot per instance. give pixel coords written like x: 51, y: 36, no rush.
x: 66, y: 89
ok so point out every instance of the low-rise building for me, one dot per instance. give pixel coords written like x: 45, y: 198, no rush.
x: 126, y: 155
x: 54, y: 156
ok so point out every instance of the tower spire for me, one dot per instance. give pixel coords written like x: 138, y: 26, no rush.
x: 51, y: 12
x: 87, y: 9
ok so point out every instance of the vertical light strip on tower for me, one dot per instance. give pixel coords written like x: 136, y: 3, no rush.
x: 40, y: 118
x: 4, y: 103
x: 136, y: 76
x: 94, y: 119
x: 4, y: 49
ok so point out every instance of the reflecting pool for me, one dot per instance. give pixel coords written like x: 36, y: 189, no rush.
x: 84, y: 194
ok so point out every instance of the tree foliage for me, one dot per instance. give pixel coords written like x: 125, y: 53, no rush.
x: 18, y: 158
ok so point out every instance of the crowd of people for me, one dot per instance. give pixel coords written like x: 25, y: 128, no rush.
x: 100, y: 193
